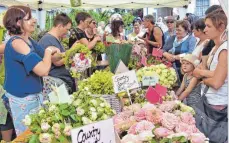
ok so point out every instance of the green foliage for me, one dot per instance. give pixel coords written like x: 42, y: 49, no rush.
x: 127, y: 19
x: 99, y: 48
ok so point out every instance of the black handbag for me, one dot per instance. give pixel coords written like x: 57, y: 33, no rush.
x: 213, y: 123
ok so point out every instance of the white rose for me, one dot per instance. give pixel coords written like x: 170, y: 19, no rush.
x: 146, y: 136
x: 45, y: 126
x: 45, y: 138
x: 93, y: 116
x: 86, y: 88
x: 56, y: 127
x: 57, y: 134
x: 67, y: 130
x: 27, y: 121
x: 80, y: 111
x: 92, y: 109
x: 86, y: 120
x: 52, y: 108
x: 102, y: 104
x: 94, y: 102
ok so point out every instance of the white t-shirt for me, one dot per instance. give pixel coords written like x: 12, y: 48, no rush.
x: 217, y: 97
x: 199, y: 48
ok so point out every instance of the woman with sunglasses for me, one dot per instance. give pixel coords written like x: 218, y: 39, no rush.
x: 25, y: 63
x: 170, y: 22
x: 91, y: 31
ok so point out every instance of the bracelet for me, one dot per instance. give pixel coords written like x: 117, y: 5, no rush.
x: 49, y: 49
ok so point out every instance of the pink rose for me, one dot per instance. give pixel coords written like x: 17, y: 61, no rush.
x: 140, y: 115
x: 167, y: 106
x: 197, y: 138
x: 129, y: 138
x: 162, y: 132
x: 188, y: 118
x: 169, y: 120
x: 144, y: 126
x: 188, y: 129
x: 154, y: 116
x: 132, y: 129
x: 134, y: 108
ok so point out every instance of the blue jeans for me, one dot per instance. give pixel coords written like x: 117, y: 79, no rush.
x: 20, y: 107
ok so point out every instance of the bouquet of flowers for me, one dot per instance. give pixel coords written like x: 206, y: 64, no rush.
x: 54, y: 122
x: 139, y: 50
x: 100, y: 83
x: 78, y: 59
x: 171, y: 121
x: 167, y: 76
x: 99, y: 48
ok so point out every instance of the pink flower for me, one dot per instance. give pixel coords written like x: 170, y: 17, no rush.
x: 169, y: 120
x: 162, y: 132
x: 154, y: 116
x: 188, y: 118
x: 188, y: 129
x: 197, y: 138
x: 132, y: 129
x: 140, y: 115
x: 167, y: 106
x: 144, y: 126
x: 134, y: 107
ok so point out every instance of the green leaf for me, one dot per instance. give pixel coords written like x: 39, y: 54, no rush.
x: 34, y: 139
x: 183, y: 139
x: 164, y: 140
x: 62, y: 139
x: 65, y: 112
x: 153, y: 141
x: 63, y: 106
x: 73, y: 118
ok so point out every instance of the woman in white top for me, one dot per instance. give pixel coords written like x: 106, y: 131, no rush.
x: 198, y: 30
x: 215, y: 77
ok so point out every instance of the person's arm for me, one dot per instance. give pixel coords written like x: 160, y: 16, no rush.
x: 2, y: 48
x: 169, y: 57
x: 181, y: 89
x: 220, y: 73
x: 91, y: 44
x: 189, y: 89
x: 158, y: 34
x: 42, y: 67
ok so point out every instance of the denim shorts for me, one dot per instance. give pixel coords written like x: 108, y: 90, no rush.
x: 20, y: 107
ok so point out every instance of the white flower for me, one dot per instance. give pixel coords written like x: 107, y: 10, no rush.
x: 45, y: 138
x: 80, y: 111
x: 41, y: 112
x: 92, y: 109
x: 146, y: 136
x: 94, y: 102
x: 102, y: 104
x: 56, y: 127
x: 86, y: 88
x: 45, y: 126
x: 57, y: 134
x: 27, y: 121
x: 45, y: 102
x: 52, y: 108
x: 86, y: 120
x: 77, y: 102
x: 89, y: 93
x: 67, y: 130
x: 100, y: 110
x: 93, y: 116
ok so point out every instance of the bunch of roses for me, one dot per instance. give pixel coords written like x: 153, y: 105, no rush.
x: 166, y: 122
x: 53, y: 122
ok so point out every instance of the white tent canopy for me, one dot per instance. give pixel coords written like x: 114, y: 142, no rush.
x: 91, y: 4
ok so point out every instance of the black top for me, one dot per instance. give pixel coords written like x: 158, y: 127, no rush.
x: 58, y: 71
x: 76, y: 34
x: 152, y: 38
x: 208, y: 48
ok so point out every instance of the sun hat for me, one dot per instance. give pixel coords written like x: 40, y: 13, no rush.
x: 192, y: 59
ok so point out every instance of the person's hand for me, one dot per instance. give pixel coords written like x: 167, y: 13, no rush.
x: 53, y: 50
x: 197, y: 73
x: 169, y: 57
x: 98, y: 38
x: 95, y: 31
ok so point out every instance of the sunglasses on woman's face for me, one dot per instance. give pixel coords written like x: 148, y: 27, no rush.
x: 169, y: 22
x: 93, y: 22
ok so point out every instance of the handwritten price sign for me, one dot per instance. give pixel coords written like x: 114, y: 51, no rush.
x: 100, y: 132
x: 150, y: 80
x: 124, y: 81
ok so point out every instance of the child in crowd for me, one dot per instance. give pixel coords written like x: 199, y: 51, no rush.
x: 190, y: 89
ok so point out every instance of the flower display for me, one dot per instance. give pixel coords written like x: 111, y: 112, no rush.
x: 54, y: 122
x: 167, y: 76
x: 164, y: 123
